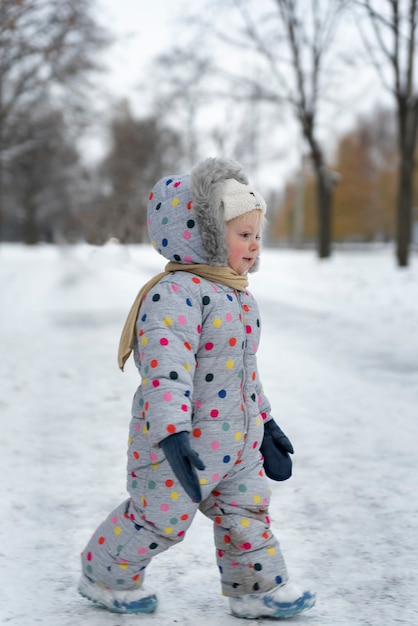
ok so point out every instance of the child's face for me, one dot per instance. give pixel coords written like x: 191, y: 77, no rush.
x: 243, y: 241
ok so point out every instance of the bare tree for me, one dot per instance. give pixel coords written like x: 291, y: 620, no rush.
x: 141, y: 151
x: 179, y: 92
x: 276, y: 52
x: 309, y: 34
x: 47, y: 49
x: 392, y: 44
x: 367, y: 160
x: 42, y: 180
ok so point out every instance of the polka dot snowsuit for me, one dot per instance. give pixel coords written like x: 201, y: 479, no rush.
x: 195, y: 349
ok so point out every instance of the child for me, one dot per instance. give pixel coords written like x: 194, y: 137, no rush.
x: 199, y: 417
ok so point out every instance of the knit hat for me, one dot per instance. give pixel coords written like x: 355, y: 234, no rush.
x: 238, y: 199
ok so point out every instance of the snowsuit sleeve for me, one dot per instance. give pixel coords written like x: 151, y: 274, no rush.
x: 168, y: 329
x: 264, y: 406
x: 263, y: 401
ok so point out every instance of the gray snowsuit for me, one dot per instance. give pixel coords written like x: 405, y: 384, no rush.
x: 195, y: 349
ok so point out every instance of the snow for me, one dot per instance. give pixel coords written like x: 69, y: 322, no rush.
x: 339, y: 361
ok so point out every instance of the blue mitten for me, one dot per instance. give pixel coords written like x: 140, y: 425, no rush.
x: 275, y: 449
x: 183, y: 459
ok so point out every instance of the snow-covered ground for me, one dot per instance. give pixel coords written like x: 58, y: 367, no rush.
x: 339, y: 360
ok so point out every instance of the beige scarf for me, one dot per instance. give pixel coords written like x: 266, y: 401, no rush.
x: 222, y: 275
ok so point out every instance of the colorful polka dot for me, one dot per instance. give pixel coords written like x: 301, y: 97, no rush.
x: 225, y: 367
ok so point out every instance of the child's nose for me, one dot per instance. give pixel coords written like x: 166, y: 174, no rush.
x: 255, y: 244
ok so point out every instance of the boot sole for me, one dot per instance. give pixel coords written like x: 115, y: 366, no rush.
x: 144, y: 605
x: 286, y: 610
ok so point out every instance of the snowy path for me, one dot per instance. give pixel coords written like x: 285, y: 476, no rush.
x: 339, y: 361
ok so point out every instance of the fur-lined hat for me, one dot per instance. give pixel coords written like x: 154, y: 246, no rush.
x: 187, y: 213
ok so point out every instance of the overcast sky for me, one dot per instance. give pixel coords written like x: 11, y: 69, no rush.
x: 144, y: 29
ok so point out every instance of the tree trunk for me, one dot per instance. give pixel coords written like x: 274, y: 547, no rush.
x: 324, y: 194
x: 404, y: 213
x: 1, y: 199
x: 1, y: 161
x: 324, y: 191
x: 298, y: 210
x: 407, y: 129
x: 30, y: 232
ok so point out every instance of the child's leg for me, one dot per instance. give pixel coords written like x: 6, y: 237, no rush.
x: 155, y: 517
x: 124, y: 544
x: 116, y: 556
x: 248, y: 554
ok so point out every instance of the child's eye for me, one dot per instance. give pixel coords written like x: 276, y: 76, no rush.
x: 245, y: 235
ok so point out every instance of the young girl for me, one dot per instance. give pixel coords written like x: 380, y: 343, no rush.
x: 201, y: 434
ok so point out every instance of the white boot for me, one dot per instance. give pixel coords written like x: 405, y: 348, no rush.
x: 118, y: 601
x: 283, y: 601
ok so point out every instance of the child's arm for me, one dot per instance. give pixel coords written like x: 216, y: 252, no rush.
x: 168, y: 338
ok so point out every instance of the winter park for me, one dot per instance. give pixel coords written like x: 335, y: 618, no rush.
x: 339, y: 362
x: 267, y: 150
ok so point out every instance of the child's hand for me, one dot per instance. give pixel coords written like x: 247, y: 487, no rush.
x: 183, y: 459
x: 278, y: 436
x: 275, y: 449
